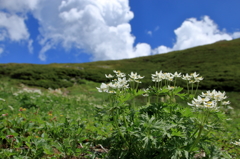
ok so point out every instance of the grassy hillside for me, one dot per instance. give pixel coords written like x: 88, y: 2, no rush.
x: 218, y: 63
x: 77, y: 121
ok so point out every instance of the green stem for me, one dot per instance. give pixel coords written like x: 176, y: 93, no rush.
x: 192, y: 89
x: 187, y: 87
x: 196, y: 89
x: 198, y: 137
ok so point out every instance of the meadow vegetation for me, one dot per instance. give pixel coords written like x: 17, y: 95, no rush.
x: 218, y: 63
x: 90, y: 111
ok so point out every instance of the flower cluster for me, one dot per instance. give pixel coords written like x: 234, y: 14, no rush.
x: 215, y: 95
x: 236, y: 143
x: 28, y: 90
x: 159, y: 76
x: 120, y: 83
x: 209, y: 100
x: 135, y: 77
x: 192, y: 78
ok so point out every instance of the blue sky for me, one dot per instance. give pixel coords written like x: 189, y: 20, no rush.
x: 77, y: 31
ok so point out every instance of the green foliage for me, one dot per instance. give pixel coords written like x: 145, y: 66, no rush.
x: 163, y: 129
x: 41, y: 124
x: 48, y: 83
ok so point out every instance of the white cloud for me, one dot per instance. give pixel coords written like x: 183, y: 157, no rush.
x: 12, y: 26
x: 236, y: 35
x: 195, y: 32
x: 14, y: 6
x: 1, y: 50
x: 156, y: 28
x: 12, y: 20
x: 99, y: 27
x: 149, y: 33
x: 30, y: 47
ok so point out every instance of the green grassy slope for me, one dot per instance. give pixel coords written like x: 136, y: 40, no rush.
x: 218, y: 63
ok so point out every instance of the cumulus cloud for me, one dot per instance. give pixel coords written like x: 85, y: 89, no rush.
x: 236, y: 35
x: 12, y: 20
x: 18, y: 6
x: 195, y: 32
x: 99, y: 27
x: 12, y: 26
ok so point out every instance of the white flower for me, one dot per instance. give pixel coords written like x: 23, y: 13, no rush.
x: 170, y: 88
x: 122, y: 83
x: 112, y: 85
x: 158, y: 76
x: 191, y: 81
x: 177, y: 74
x: 103, y: 88
x: 135, y: 77
x: 214, y: 95
x: 111, y: 91
x: 225, y: 102
x: 116, y: 72
x: 186, y: 77
x: 156, y: 79
x: 109, y: 76
x: 2, y: 99
x: 119, y: 74
x: 198, y: 79
x: 168, y: 76
x: 145, y: 94
x: 10, y: 107
x: 210, y: 104
x: 138, y: 81
x: 236, y: 143
x: 229, y: 107
x: 194, y: 75
x: 192, y: 78
x: 199, y: 102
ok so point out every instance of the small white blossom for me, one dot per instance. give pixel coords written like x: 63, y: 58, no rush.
x: 109, y: 76
x: 199, y: 102
x: 210, y: 104
x: 229, y: 107
x: 122, y: 83
x: 198, y: 79
x: 170, y: 88
x: 177, y: 74
x: 225, y: 102
x: 186, y: 77
x: 215, y: 95
x: 2, y: 99
x: 145, y: 94
x: 158, y: 76
x: 119, y: 74
x: 194, y: 75
x: 135, y: 77
x: 236, y: 143
x: 103, y: 88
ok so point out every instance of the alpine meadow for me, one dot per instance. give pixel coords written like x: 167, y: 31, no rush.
x: 178, y: 105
